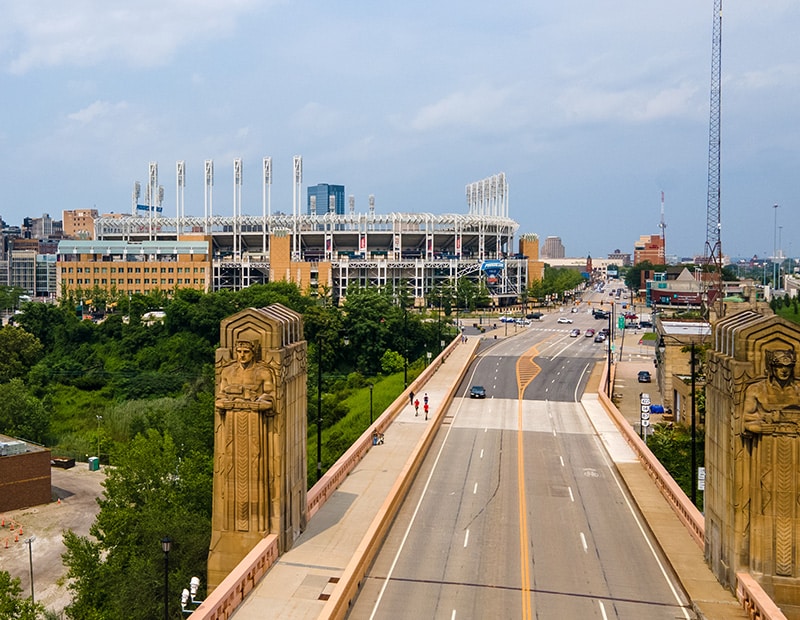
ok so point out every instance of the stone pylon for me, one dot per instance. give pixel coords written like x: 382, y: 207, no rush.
x: 259, y: 435
x: 752, y: 497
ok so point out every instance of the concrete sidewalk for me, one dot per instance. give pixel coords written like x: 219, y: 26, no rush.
x: 301, y: 581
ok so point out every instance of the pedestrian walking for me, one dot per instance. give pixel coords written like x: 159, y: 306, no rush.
x: 426, y: 398
x: 426, y: 411
x: 411, y: 397
x: 416, y: 407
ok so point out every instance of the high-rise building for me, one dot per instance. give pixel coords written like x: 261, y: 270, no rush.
x: 321, y: 196
x: 79, y: 224
x: 649, y: 248
x: 552, y: 248
x: 624, y: 258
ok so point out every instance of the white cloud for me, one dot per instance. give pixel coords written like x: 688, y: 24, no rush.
x: 95, y: 111
x: 477, y: 108
x: 630, y: 105
x: 85, y: 33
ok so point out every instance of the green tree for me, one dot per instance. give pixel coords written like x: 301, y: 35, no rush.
x: 152, y: 491
x: 12, y: 605
x: 633, y: 277
x: 21, y: 350
x: 22, y: 414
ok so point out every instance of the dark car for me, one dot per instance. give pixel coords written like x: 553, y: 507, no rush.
x: 477, y: 391
x: 644, y: 376
x: 535, y: 316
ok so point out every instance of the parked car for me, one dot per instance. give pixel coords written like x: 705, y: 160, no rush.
x: 644, y: 376
x: 477, y: 391
x: 575, y: 333
x: 564, y: 319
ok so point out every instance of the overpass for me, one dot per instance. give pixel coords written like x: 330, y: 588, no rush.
x: 352, y: 507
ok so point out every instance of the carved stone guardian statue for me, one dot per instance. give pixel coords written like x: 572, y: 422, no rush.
x: 259, y: 435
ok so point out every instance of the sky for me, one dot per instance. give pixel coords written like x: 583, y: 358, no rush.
x: 591, y: 109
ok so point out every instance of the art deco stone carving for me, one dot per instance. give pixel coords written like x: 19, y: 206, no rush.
x: 753, y: 454
x: 259, y: 435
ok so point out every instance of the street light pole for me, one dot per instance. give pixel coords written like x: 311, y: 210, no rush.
x: 166, y: 545
x: 29, y: 542
x: 319, y: 406
x: 775, y: 249
x: 370, y: 404
x: 405, y: 346
x: 608, y: 349
x: 99, y: 419
x: 694, y: 430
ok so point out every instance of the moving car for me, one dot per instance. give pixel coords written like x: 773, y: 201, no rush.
x: 600, y: 337
x: 589, y: 333
x: 564, y: 319
x: 575, y: 333
x: 477, y: 391
x: 644, y: 376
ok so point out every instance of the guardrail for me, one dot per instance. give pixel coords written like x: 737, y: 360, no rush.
x: 755, y: 601
x: 229, y: 594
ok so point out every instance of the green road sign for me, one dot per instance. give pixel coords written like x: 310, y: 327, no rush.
x: 621, y: 322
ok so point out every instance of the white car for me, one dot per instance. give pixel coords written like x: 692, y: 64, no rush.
x: 564, y: 319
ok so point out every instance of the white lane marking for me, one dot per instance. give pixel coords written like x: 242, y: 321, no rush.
x: 561, y: 458
x: 475, y: 488
x: 607, y: 460
x: 571, y: 496
x: 417, y: 509
x: 603, y: 610
x: 482, y: 449
x: 466, y: 539
x: 453, y: 615
x: 578, y: 383
x: 583, y: 542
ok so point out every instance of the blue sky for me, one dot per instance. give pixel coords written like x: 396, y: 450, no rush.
x: 592, y: 109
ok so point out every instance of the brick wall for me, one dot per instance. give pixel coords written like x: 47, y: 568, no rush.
x: 25, y: 480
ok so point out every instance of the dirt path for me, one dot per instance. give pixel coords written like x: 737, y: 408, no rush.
x: 77, y: 489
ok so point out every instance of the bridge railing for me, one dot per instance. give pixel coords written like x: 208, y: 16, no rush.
x: 755, y: 601
x: 229, y: 594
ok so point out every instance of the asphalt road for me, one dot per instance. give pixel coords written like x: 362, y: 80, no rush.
x: 78, y: 489
x: 517, y: 512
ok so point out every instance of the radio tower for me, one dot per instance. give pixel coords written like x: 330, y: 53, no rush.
x: 713, y: 247
x: 663, y: 226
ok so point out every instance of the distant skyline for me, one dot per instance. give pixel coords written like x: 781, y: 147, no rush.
x: 590, y: 109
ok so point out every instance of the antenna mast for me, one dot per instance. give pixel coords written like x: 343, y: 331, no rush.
x: 713, y: 247
x: 663, y: 226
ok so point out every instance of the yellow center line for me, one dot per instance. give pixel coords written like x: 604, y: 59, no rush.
x: 526, y: 372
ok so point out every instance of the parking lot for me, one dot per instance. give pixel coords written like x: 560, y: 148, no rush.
x: 634, y: 357
x: 74, y: 507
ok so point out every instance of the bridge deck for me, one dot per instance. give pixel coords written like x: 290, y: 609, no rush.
x: 299, y: 584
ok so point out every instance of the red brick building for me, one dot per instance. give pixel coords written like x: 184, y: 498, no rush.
x: 649, y: 248
x: 24, y: 474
